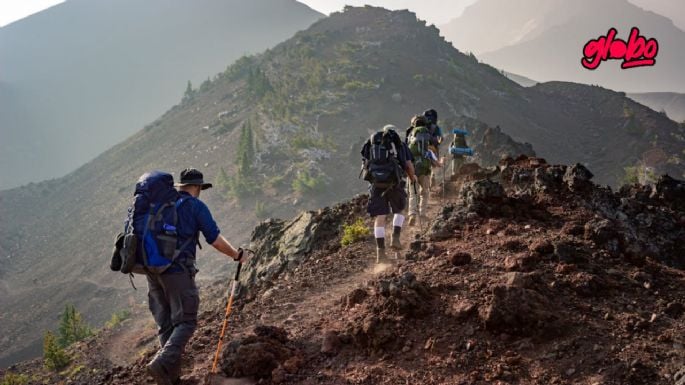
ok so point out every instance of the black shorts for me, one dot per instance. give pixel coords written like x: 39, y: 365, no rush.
x: 385, y: 201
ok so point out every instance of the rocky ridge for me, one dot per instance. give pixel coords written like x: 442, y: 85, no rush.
x: 531, y: 275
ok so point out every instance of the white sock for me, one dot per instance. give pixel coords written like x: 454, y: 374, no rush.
x: 397, y: 220
x: 379, y: 232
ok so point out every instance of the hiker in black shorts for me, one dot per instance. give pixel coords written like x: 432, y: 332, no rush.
x: 387, y: 163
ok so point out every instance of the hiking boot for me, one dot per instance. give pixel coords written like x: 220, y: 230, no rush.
x: 395, y: 242
x: 158, y: 373
x: 380, y: 255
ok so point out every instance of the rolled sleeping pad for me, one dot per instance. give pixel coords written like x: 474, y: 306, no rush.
x: 461, y: 151
x: 458, y: 131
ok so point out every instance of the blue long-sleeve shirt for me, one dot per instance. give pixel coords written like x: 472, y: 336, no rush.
x: 194, y: 218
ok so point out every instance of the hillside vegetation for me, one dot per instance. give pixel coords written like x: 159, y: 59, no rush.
x: 529, y: 274
x: 280, y: 132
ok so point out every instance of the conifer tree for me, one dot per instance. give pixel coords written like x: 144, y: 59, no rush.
x: 54, y: 357
x: 72, y: 328
x: 245, y: 151
x: 223, y: 180
x: 189, y: 93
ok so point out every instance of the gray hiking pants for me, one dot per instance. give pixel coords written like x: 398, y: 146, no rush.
x: 173, y: 300
x: 457, y: 162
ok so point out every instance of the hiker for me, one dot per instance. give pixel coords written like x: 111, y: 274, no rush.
x: 459, y: 149
x: 386, y: 163
x: 436, y: 134
x: 433, y: 128
x: 173, y: 296
x: 424, y: 155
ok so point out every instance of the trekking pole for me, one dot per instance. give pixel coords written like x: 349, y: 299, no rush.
x: 443, y: 183
x: 229, y: 305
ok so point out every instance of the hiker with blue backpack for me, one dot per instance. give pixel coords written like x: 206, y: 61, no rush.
x: 160, y: 238
x: 386, y: 164
x: 459, y: 149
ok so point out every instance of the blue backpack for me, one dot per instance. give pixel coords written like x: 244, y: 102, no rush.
x: 150, y: 240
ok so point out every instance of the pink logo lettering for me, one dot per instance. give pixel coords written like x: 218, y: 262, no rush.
x: 636, y: 52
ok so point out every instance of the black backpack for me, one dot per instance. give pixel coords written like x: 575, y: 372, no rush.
x: 382, y: 166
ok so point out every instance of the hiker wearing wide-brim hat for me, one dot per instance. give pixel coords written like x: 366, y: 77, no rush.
x: 173, y: 295
x: 193, y: 177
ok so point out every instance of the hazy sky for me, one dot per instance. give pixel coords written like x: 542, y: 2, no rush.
x: 434, y: 11
x: 11, y: 10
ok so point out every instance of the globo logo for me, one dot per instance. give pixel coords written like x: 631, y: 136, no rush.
x: 636, y: 52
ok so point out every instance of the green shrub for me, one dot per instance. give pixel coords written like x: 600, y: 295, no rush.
x: 277, y: 181
x: 357, y: 85
x: 117, y: 318
x: 54, y: 357
x: 639, y: 174
x: 305, y: 139
x: 305, y: 183
x: 71, y: 373
x: 354, y: 232
x: 241, y: 187
x: 630, y: 176
x: 14, y: 379
x: 261, y: 211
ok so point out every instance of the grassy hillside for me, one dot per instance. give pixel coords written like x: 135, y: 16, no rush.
x: 86, y: 74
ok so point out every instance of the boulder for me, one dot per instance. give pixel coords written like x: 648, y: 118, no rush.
x: 600, y: 231
x: 519, y: 311
x: 670, y: 191
x: 257, y: 355
x: 577, y: 178
x: 355, y: 297
x: 330, y: 343
x: 282, y: 245
x: 548, y: 179
x: 521, y: 262
x: 460, y: 258
x: 568, y: 251
x: 462, y: 309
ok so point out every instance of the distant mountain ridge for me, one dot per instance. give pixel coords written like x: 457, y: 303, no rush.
x: 85, y: 74
x: 544, y: 40
x: 309, y: 104
x: 670, y: 102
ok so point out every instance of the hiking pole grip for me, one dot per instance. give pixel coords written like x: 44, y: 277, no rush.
x: 237, y: 271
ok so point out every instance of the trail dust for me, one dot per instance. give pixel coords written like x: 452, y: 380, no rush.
x: 221, y: 380
x: 296, y: 308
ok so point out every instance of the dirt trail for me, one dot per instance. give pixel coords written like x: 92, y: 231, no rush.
x: 134, y: 336
x: 311, y: 305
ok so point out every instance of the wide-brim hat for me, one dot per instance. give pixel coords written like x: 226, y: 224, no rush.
x: 193, y: 176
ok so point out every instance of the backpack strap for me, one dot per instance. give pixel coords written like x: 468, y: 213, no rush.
x: 372, y: 148
x: 188, y: 241
x: 391, y: 137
